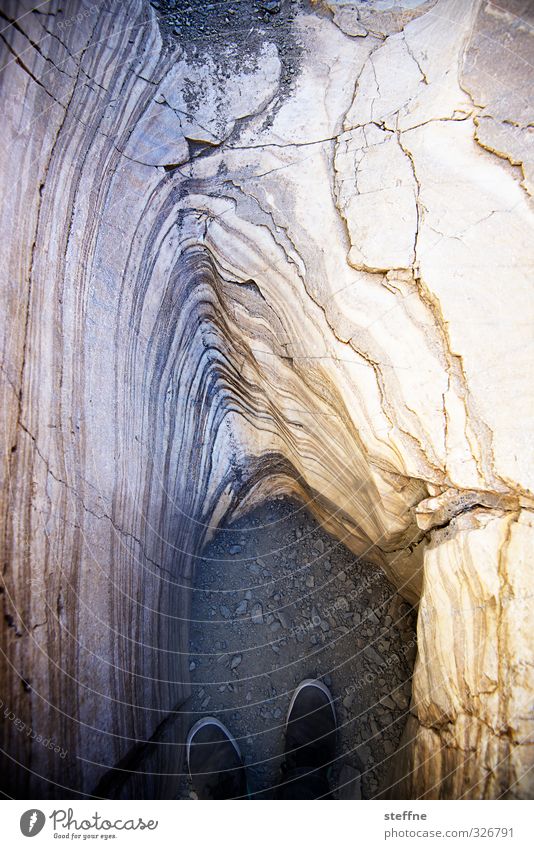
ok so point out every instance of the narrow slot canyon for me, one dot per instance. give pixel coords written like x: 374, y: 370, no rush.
x: 267, y: 406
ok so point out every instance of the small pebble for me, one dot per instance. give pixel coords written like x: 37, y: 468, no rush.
x: 257, y: 614
x: 372, y: 655
x: 400, y: 699
x: 283, y: 618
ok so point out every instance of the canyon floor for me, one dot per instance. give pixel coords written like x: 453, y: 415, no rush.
x: 277, y: 600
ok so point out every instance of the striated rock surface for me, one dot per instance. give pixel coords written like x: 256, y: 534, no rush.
x: 225, y: 278
x: 471, y: 729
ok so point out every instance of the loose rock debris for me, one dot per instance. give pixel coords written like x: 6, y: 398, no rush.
x: 301, y: 606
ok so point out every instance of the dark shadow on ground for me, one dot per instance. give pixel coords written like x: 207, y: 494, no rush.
x: 277, y: 600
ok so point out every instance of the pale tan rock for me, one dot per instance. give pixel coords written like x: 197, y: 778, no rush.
x: 376, y: 184
x: 309, y: 117
x: 380, y: 94
x: 380, y: 17
x: 504, y: 125
x: 477, y: 594
x: 512, y: 142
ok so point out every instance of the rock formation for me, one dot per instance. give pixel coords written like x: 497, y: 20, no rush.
x: 224, y: 278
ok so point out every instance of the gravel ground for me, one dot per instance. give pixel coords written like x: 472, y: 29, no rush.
x: 277, y: 600
x: 233, y: 32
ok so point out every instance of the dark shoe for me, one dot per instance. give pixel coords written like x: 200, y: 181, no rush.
x: 214, y: 761
x: 310, y: 742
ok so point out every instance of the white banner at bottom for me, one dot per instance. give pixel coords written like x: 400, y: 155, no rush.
x: 268, y: 824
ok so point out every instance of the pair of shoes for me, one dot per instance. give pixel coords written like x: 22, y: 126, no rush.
x: 216, y: 766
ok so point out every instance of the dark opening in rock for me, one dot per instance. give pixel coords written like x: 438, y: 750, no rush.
x: 277, y: 600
